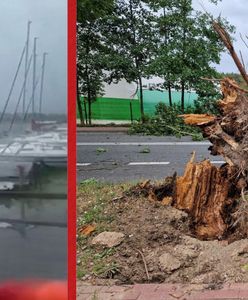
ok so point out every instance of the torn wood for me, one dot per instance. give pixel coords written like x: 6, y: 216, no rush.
x: 228, y: 132
x: 224, y: 36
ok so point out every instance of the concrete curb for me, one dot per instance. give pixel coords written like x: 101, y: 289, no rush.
x: 102, y: 129
x: 161, y: 292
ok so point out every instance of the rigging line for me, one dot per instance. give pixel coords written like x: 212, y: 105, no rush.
x: 42, y: 81
x: 20, y: 97
x: 30, y: 102
x: 26, y: 66
x: 12, y: 86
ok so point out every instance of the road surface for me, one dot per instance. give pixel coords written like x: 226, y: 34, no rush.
x: 118, y: 157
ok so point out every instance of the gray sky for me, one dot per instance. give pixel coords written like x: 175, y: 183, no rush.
x: 235, y: 11
x: 49, y: 24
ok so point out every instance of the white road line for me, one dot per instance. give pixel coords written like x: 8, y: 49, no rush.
x: 145, y: 144
x: 149, y: 163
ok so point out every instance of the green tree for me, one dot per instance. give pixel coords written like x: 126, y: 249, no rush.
x: 129, y: 34
x: 190, y: 45
x: 90, y: 50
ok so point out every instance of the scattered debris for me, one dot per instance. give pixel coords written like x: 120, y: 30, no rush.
x: 145, y: 150
x: 87, y: 229
x: 101, y: 150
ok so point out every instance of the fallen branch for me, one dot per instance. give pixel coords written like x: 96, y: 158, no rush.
x: 144, y: 261
x: 227, y: 41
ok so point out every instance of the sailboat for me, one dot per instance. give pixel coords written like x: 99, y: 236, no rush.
x: 43, y: 144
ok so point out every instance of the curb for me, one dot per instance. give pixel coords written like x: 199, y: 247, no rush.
x: 162, y: 292
x: 102, y: 129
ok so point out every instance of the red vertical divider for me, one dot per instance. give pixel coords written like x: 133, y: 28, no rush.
x: 71, y: 169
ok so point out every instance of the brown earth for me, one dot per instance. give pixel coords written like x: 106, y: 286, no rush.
x: 157, y: 237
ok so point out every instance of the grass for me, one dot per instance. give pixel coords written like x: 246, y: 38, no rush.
x: 93, y: 198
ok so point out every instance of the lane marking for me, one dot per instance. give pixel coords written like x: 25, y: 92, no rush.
x: 144, y: 163
x: 144, y: 144
x: 149, y: 163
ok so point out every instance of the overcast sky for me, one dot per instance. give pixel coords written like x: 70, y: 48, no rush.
x: 49, y: 24
x: 236, y: 12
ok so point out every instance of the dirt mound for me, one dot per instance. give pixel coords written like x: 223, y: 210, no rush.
x: 159, y: 247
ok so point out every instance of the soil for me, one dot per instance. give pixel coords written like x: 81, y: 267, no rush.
x: 170, y: 252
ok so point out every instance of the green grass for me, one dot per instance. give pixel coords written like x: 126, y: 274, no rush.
x: 93, y: 199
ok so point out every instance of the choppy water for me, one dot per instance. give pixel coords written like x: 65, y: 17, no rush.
x: 33, y: 232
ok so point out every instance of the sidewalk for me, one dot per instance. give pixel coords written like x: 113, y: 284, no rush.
x: 161, y: 292
x: 102, y: 129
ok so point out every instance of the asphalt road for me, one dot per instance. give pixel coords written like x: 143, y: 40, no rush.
x: 118, y: 157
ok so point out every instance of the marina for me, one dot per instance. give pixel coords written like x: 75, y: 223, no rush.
x: 24, y: 158
x: 34, y: 221
x: 30, y: 141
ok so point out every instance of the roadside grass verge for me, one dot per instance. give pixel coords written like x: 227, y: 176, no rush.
x: 93, y: 199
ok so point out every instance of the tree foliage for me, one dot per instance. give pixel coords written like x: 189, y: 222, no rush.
x: 90, y: 49
x: 129, y: 34
x: 136, y: 39
x: 188, y: 45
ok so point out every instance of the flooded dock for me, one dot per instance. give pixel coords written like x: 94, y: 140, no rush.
x: 33, y: 228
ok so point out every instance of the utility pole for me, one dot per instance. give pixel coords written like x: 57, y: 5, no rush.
x: 42, y: 81
x: 26, y: 66
x: 34, y: 76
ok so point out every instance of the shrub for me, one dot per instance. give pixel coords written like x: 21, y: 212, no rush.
x: 166, y: 122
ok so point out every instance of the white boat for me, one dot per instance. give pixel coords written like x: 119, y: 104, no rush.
x: 6, y: 186
x: 51, y: 155
x: 49, y: 138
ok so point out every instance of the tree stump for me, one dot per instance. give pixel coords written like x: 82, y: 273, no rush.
x: 207, y: 193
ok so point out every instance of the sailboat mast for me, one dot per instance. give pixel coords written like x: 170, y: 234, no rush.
x: 34, y: 76
x: 42, y: 81
x: 26, y: 66
x: 12, y: 85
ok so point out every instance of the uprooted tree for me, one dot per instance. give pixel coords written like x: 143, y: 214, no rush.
x: 208, y: 193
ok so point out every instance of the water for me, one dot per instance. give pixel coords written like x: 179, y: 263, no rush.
x: 19, y: 127
x: 33, y: 232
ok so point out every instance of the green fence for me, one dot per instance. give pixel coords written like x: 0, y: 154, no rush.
x: 126, y: 109
x: 114, y: 109
x: 152, y: 98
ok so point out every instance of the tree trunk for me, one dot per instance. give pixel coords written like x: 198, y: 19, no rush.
x: 79, y: 105
x: 89, y: 110
x: 182, y: 96
x: 85, y: 112
x: 170, y: 94
x: 211, y: 195
x: 141, y: 101
x: 207, y: 194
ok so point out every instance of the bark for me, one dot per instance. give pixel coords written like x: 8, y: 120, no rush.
x: 206, y: 191
x: 210, y: 194
x: 79, y: 105
x: 227, y: 42
x: 170, y: 94
x: 89, y: 110
x: 182, y: 96
x: 207, y: 194
x: 141, y: 100
x: 228, y: 132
